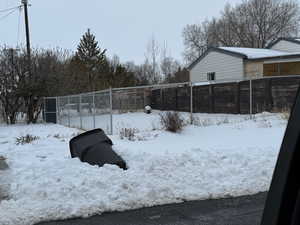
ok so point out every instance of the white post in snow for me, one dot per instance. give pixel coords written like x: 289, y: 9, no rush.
x: 44, y: 119
x: 69, y: 119
x: 111, y: 109
x: 80, y: 111
x: 191, y: 102
x: 135, y: 100
x: 250, y: 95
x: 145, y: 103
x: 57, y: 110
x: 94, y: 111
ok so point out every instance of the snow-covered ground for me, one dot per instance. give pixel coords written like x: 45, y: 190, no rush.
x: 225, y: 155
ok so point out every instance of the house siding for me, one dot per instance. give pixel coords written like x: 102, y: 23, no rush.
x: 286, y: 46
x: 254, y: 69
x: 225, y: 66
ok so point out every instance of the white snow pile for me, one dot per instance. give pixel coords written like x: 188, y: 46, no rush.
x: 229, y: 158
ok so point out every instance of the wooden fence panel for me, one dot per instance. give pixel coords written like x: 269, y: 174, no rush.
x: 284, y: 92
x: 155, y: 99
x: 170, y: 99
x: 272, y: 94
x: 201, y: 99
x: 183, y: 99
x: 244, y: 97
x: 259, y: 103
x: 225, y: 98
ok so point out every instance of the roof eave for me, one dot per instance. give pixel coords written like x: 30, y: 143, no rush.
x: 282, y: 39
x: 274, y: 57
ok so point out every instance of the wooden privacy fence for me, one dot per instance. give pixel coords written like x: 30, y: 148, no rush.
x: 258, y: 95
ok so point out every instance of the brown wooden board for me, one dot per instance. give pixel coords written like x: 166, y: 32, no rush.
x: 183, y: 99
x: 284, y: 92
x: 224, y: 98
x: 201, y: 99
x: 268, y: 94
x: 258, y: 96
x: 169, y: 98
x: 244, y: 97
x: 155, y: 99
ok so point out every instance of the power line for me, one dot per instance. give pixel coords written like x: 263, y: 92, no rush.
x: 6, y: 15
x: 9, y: 9
x: 19, y: 23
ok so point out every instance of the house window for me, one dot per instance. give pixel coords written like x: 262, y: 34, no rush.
x: 211, y: 76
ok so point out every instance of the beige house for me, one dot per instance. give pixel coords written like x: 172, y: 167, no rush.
x: 281, y: 58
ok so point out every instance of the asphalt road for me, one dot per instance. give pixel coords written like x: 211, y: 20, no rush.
x: 246, y: 210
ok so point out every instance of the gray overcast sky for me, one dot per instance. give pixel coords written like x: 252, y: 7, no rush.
x: 122, y: 27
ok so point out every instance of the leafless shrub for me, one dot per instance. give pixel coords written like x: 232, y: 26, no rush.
x: 171, y: 121
x: 128, y: 133
x: 27, y: 139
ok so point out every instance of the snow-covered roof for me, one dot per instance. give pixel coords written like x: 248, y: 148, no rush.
x: 255, y: 53
x: 248, y: 53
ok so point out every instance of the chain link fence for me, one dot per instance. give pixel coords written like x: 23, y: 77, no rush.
x: 85, y: 111
x: 95, y: 109
x: 246, y: 96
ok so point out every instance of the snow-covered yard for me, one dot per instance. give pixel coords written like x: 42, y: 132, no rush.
x: 225, y: 155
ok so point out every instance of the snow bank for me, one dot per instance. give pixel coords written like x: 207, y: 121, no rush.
x: 221, y: 160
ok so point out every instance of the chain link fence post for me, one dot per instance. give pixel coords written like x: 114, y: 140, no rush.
x: 80, y: 111
x: 144, y: 98
x: 94, y: 111
x: 251, y: 98
x: 69, y: 119
x: 191, y: 102
x: 44, y: 116
x: 57, y: 110
x: 111, y: 109
x: 135, y: 100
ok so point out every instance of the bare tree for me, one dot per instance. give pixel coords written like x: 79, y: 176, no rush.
x: 253, y: 23
x: 151, y: 61
x: 168, y: 65
x: 258, y: 22
x: 45, y: 67
x: 10, y: 83
x: 140, y: 72
x: 196, y: 40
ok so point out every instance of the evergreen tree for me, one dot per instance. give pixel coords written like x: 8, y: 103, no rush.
x: 91, y: 57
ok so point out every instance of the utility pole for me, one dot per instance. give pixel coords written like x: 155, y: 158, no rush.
x: 28, y: 97
x: 25, y: 5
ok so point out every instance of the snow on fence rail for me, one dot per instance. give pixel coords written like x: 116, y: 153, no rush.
x: 247, y: 96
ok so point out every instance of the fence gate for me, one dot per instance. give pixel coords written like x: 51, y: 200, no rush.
x: 50, y: 110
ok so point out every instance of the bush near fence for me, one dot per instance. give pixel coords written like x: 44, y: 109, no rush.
x: 268, y: 94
